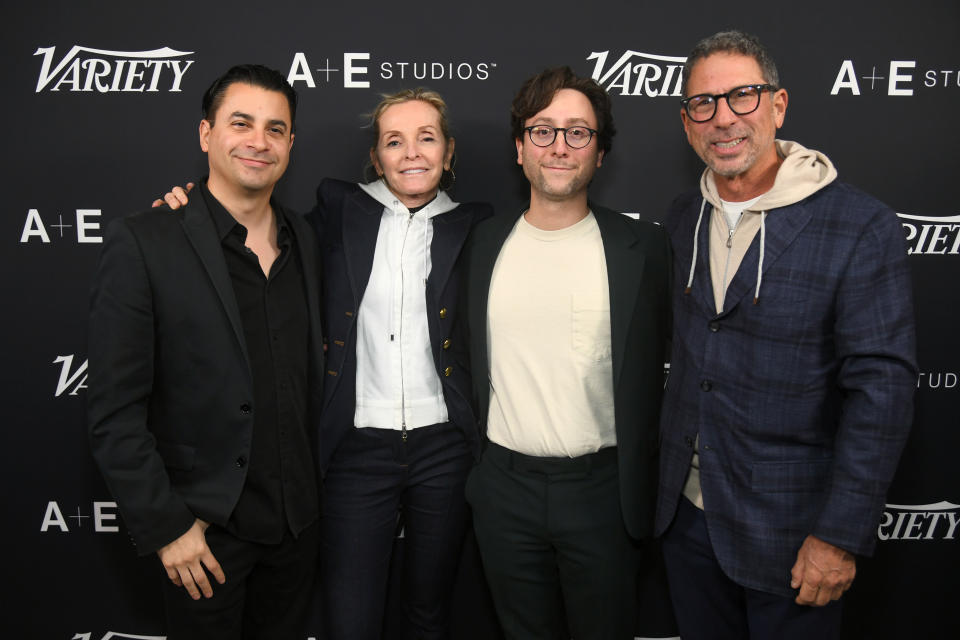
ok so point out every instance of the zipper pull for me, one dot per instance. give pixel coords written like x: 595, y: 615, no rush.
x: 403, y: 431
x: 730, y: 240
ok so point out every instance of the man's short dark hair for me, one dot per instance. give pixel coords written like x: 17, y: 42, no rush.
x: 737, y: 42
x: 255, y: 75
x: 538, y: 92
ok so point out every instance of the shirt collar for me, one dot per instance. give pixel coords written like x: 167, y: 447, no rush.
x: 226, y: 223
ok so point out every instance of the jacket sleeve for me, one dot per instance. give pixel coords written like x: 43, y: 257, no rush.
x: 121, y: 373
x: 876, y: 347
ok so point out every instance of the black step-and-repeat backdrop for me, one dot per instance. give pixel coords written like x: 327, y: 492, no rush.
x: 100, y: 111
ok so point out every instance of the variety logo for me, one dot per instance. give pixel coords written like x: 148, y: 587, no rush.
x: 358, y: 70
x: 895, y: 78
x: 639, y: 74
x: 937, y: 380
x: 101, y: 518
x: 87, y: 70
x: 112, y: 635
x: 928, y: 235
x: 85, y: 224
x: 72, y: 380
x: 940, y: 521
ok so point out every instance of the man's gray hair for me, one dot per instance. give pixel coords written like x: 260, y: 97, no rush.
x: 737, y: 42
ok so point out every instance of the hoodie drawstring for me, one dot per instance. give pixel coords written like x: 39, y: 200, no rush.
x: 696, y: 235
x: 763, y: 244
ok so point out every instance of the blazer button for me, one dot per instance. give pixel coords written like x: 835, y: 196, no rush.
x: 443, y: 312
x: 706, y: 385
x: 448, y: 371
x: 687, y: 440
x: 244, y: 408
x: 241, y: 462
x: 714, y: 326
x: 446, y: 343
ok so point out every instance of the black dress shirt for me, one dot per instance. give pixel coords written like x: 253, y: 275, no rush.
x: 273, y: 311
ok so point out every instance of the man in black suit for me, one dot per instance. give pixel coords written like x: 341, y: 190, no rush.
x: 205, y: 369
x: 568, y: 321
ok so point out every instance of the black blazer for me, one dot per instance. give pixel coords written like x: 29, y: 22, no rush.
x: 347, y: 221
x: 638, y: 273
x: 170, y: 388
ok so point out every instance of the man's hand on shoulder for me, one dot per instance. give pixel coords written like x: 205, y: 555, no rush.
x: 176, y: 197
x: 822, y: 572
x: 185, y: 558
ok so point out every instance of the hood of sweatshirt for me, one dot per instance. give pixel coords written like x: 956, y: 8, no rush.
x: 379, y: 191
x: 803, y: 173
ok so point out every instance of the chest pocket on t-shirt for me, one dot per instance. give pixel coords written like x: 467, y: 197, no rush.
x: 590, y: 326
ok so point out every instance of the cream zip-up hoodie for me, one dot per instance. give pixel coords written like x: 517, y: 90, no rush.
x: 397, y: 382
x: 802, y: 173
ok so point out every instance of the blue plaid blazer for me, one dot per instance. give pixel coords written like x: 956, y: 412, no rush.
x: 803, y: 401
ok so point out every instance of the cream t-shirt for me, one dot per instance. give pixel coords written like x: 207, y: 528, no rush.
x: 548, y: 337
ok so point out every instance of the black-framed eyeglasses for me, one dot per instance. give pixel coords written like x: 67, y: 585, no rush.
x: 741, y: 100
x: 544, y: 135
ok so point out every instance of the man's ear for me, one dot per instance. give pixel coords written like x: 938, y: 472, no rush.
x: 779, y: 106
x: 205, y: 126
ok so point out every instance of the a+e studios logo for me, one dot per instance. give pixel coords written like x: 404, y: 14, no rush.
x: 358, y: 69
x: 893, y: 78
x: 100, y: 70
x: 84, y: 224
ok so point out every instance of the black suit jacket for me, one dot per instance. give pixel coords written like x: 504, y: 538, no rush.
x: 638, y: 274
x: 170, y: 389
x: 347, y: 221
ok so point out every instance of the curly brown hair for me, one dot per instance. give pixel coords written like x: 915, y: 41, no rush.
x: 537, y: 93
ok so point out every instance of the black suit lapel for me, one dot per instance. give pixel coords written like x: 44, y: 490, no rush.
x: 781, y: 230
x: 202, y: 234
x: 624, y: 274
x: 487, y: 242
x: 361, y: 226
x: 449, y: 233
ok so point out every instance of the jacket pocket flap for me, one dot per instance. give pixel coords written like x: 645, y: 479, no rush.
x: 791, y: 475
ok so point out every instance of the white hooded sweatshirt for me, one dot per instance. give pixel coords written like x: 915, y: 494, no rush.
x: 397, y: 382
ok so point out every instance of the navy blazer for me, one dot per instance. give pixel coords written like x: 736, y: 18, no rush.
x: 170, y: 401
x: 347, y: 221
x: 802, y: 401
x: 638, y: 275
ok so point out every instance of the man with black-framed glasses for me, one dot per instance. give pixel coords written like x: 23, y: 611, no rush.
x: 567, y: 318
x: 793, y: 366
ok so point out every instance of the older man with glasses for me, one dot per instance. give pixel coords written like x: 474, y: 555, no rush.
x: 793, y: 368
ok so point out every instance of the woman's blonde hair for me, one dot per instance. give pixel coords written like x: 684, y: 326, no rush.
x: 422, y: 94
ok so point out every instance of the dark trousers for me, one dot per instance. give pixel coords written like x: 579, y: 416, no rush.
x: 266, y: 596
x: 375, y: 480
x: 710, y: 606
x: 553, y: 542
